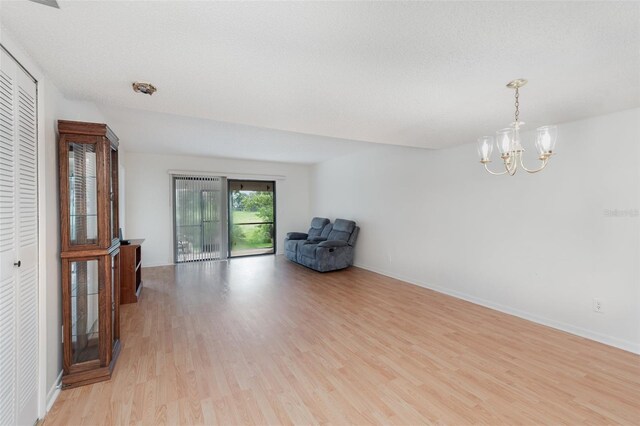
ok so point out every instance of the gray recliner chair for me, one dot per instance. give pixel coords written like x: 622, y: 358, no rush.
x: 330, y: 254
x: 319, y: 231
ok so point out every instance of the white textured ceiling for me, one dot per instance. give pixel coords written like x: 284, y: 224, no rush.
x: 427, y: 74
x: 146, y: 131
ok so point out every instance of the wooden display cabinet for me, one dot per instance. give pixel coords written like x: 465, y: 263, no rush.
x: 90, y: 251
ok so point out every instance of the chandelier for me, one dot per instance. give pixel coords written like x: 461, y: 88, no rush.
x: 508, y: 142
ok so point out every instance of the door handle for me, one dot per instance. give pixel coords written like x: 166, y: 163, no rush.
x: 18, y: 263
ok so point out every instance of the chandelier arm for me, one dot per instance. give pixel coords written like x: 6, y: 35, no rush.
x: 514, y: 164
x: 492, y: 172
x: 544, y: 164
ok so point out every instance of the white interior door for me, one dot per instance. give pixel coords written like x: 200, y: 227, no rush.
x: 18, y: 246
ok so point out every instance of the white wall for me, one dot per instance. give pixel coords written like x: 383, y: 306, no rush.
x: 49, y: 191
x: 539, y: 246
x: 148, y: 197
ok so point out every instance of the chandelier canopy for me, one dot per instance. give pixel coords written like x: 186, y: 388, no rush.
x: 508, y: 141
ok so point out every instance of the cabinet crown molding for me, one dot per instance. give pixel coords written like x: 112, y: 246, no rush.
x: 85, y: 128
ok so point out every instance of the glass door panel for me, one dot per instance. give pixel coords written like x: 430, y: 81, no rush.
x: 197, y: 218
x: 84, y: 310
x: 83, y: 194
x: 113, y: 199
x: 251, y: 217
x: 115, y: 299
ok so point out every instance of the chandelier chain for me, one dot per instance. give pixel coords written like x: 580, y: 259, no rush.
x: 517, y: 104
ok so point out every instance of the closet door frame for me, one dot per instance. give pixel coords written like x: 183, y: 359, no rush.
x: 14, y: 50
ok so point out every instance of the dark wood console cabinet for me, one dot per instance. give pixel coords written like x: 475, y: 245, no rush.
x: 130, y: 271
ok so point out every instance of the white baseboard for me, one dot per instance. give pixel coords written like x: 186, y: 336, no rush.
x: 578, y: 331
x: 155, y: 265
x: 53, y: 393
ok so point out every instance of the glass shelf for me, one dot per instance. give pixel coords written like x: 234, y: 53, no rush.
x: 85, y: 309
x: 83, y: 194
x: 83, y: 229
x: 92, y: 332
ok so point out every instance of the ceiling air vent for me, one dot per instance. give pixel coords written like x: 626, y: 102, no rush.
x: 146, y: 88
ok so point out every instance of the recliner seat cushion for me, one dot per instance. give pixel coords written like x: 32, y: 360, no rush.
x: 333, y: 243
x: 308, y: 250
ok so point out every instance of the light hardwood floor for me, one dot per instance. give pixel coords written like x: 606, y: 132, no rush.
x: 264, y: 341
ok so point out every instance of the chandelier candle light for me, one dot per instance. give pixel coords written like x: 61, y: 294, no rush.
x: 508, y: 141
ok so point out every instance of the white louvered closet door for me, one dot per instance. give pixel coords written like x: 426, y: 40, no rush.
x: 18, y: 246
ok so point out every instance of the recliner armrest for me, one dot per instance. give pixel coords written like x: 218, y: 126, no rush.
x: 333, y: 244
x: 317, y: 239
x: 296, y: 236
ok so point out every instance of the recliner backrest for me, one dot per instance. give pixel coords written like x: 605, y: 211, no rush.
x: 342, y: 230
x: 326, y: 230
x: 317, y: 225
x: 354, y: 236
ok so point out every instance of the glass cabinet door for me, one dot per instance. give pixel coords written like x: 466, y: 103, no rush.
x: 115, y: 299
x: 83, y: 194
x: 85, y: 327
x: 113, y: 188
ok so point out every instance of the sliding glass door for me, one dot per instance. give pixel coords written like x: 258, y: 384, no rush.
x: 251, y: 217
x: 198, y: 217
x: 214, y: 218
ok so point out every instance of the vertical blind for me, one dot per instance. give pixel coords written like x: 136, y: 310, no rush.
x: 198, y: 204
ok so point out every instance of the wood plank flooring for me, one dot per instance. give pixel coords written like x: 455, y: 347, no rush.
x: 264, y: 341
